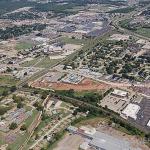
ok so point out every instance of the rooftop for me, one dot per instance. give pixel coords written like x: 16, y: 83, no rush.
x: 108, y: 142
x: 131, y: 111
x: 119, y: 93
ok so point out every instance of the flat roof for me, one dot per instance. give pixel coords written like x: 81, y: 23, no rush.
x: 88, y: 130
x: 148, y: 124
x: 107, y: 142
x: 131, y: 110
x: 120, y: 92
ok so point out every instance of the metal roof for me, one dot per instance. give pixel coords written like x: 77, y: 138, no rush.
x: 107, y: 142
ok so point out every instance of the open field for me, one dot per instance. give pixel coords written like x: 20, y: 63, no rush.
x: 73, y: 140
x: 31, y: 118
x: 7, y: 80
x: 73, y: 41
x: 85, y: 85
x: 23, y: 45
x: 46, y: 62
x: 40, y: 62
x: 94, y: 121
x: 30, y: 62
x: 144, y: 32
x: 2, y: 89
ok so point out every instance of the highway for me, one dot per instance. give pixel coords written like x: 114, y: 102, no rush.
x: 131, y: 15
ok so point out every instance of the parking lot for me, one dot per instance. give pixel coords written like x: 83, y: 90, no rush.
x: 143, y: 115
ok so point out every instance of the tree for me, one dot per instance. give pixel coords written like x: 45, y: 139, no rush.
x: 25, y: 74
x: 44, y: 94
x: 5, y: 93
x: 38, y: 106
x: 13, y: 89
x: 18, y: 99
x: 9, y: 69
x: 3, y: 110
x: 20, y: 105
x: 23, y: 127
x: 13, y: 126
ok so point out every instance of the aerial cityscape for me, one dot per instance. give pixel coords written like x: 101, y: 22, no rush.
x: 74, y: 74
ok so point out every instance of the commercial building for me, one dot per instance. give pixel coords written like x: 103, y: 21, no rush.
x: 120, y: 93
x: 98, y: 140
x: 131, y: 111
x: 103, y: 141
x: 73, y: 78
x: 84, y: 146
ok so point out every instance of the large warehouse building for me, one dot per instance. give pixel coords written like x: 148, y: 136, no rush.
x: 98, y: 140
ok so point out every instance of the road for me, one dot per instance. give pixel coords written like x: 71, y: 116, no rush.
x: 52, y: 129
x: 36, y: 75
x: 131, y: 15
x: 115, y: 84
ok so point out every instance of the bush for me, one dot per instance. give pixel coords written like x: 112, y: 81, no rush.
x: 23, y: 127
x: 13, y: 126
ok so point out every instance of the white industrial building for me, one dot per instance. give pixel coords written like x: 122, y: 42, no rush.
x: 84, y: 146
x: 120, y: 93
x: 97, y: 140
x: 148, y: 124
x: 89, y: 131
x: 131, y: 111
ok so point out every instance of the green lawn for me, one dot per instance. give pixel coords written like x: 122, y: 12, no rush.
x: 23, y: 45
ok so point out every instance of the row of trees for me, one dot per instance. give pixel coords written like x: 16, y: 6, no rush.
x: 90, y: 97
x: 20, y: 16
x: 16, y: 31
x: 98, y: 111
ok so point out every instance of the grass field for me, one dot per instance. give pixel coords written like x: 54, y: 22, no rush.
x: 93, y: 121
x: 2, y: 89
x: 83, y: 93
x: 123, y: 10
x: 30, y: 63
x: 43, y: 62
x: 139, y: 30
x: 7, y: 80
x: 46, y: 62
x: 73, y: 41
x: 23, y: 45
x: 31, y: 118
x: 144, y: 32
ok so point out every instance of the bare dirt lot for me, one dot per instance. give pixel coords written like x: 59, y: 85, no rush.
x: 70, y: 142
x: 86, y: 84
